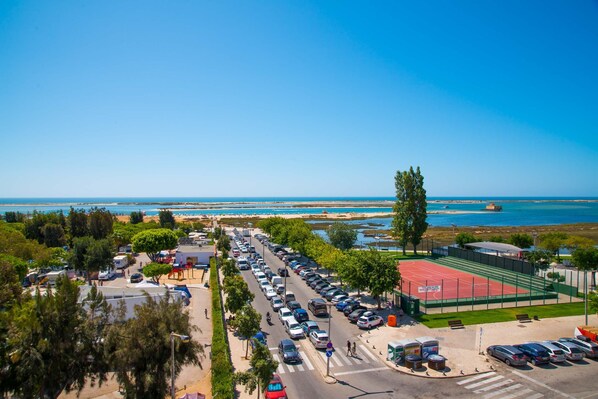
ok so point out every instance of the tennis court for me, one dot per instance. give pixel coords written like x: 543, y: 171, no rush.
x: 432, y: 282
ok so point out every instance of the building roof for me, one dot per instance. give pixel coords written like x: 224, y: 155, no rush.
x: 494, y: 246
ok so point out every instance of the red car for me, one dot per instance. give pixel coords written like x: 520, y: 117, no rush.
x: 275, y: 389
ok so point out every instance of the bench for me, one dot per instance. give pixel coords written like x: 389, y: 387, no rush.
x: 523, y: 318
x: 455, y: 324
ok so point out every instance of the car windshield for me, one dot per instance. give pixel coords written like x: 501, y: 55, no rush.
x: 275, y: 387
x: 289, y: 348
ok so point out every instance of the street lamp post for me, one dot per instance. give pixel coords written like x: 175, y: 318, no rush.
x: 184, y: 339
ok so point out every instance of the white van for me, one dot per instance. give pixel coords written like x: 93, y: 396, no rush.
x: 121, y: 261
x: 275, y: 280
x: 51, y: 277
x: 290, y: 296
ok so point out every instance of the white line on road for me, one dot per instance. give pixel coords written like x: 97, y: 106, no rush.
x: 361, y: 371
x: 477, y: 384
x: 536, y: 396
x: 307, y: 363
x: 477, y: 377
x: 500, y: 391
x: 542, y: 385
x: 489, y: 387
x: 280, y: 369
x: 323, y: 356
x: 516, y: 394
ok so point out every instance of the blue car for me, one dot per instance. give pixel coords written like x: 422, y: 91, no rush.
x: 535, y: 353
x: 259, y: 337
x: 343, y: 304
x: 300, y: 315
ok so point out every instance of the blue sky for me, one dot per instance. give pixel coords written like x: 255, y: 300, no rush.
x: 292, y: 98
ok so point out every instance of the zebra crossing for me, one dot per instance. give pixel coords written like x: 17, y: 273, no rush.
x: 492, y: 385
x: 338, y: 360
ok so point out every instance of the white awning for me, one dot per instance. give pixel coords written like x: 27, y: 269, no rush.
x: 494, y: 246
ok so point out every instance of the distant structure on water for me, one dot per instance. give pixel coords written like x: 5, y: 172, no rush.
x: 492, y: 207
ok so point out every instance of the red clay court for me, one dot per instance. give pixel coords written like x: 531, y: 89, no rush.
x: 449, y: 283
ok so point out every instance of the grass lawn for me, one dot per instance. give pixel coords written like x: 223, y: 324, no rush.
x: 499, y: 315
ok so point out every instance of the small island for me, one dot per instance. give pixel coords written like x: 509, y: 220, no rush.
x: 492, y: 207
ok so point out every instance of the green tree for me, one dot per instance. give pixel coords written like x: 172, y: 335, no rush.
x: 465, y: 238
x: 593, y: 301
x: 229, y: 268
x: 77, y: 223
x: 497, y: 238
x: 166, y: 219
x: 14, y: 217
x: 20, y: 266
x: 10, y: 286
x: 247, y: 323
x: 49, y: 344
x: 585, y: 259
x: 418, y: 208
x: 14, y: 243
x: 341, y: 235
x: 100, y: 222
x: 554, y: 242
x: 138, y: 349
x: 54, y: 235
x: 401, y: 222
x: 259, y: 375
x: 156, y: 270
x: 521, y: 240
x: 90, y: 255
x: 217, y: 233
x: 539, y: 258
x: 354, y: 271
x: 136, y: 217
x: 237, y: 293
x: 223, y: 245
x: 153, y: 241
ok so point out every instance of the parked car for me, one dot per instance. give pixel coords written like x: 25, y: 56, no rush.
x: 339, y: 298
x: 300, y: 315
x: 571, y: 351
x: 276, y: 303
x: 292, y: 305
x: 136, y: 278
x: 590, y: 349
x: 293, y: 328
x: 279, y: 288
x: 355, y: 315
x: 321, y: 285
x: 319, y: 338
x: 288, y: 351
x: 370, y: 322
x: 283, y: 272
x: 535, y: 353
x: 555, y: 353
x: 342, y: 304
x: 270, y: 293
x: 508, y: 354
x: 106, y: 275
x: 352, y: 308
x: 317, y: 306
x: 309, y: 325
x: 332, y: 293
x: 284, y: 313
x: 259, y: 337
x: 275, y: 389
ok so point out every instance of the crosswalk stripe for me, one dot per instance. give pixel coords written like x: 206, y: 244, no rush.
x: 280, y: 369
x: 516, y: 394
x: 347, y: 360
x: 369, y: 354
x: 501, y: 391
x: 477, y: 377
x: 336, y: 360
x: 483, y: 382
x: 307, y: 362
x: 291, y: 368
x: 300, y: 367
x: 536, y: 396
x: 489, y: 387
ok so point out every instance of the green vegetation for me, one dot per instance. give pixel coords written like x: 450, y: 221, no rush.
x: 222, y: 369
x: 341, y: 236
x: 410, y: 210
x: 156, y: 270
x: 501, y: 315
x: 153, y: 241
x: 259, y: 375
x: 166, y: 219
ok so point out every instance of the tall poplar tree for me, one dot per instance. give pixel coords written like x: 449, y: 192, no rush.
x: 419, y: 209
x: 410, y: 209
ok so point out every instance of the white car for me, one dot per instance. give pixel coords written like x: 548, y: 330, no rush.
x: 370, y: 321
x: 319, y: 338
x: 339, y: 298
x: 284, y: 313
x: 276, y: 303
x: 293, y: 328
x: 106, y: 275
x: 270, y: 293
x: 263, y: 284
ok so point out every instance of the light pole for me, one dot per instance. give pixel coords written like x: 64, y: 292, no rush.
x: 184, y: 339
x: 329, y: 339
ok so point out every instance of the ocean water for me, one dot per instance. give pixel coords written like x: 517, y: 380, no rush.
x: 531, y: 211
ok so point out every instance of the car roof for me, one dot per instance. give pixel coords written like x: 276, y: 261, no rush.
x: 287, y: 341
x: 310, y: 323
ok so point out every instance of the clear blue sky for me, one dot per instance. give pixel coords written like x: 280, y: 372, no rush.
x: 292, y: 98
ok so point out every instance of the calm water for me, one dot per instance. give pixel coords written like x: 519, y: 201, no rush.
x: 516, y: 211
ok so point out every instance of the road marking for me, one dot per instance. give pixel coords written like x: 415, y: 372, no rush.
x: 347, y: 360
x: 489, y: 387
x: 307, y: 363
x: 483, y: 382
x: 514, y: 395
x: 500, y: 391
x: 477, y: 377
x: 536, y: 396
x: 273, y: 349
x: 542, y: 385
x: 300, y: 367
x: 361, y: 371
x: 370, y: 355
x: 324, y: 358
x: 280, y: 369
x: 336, y: 360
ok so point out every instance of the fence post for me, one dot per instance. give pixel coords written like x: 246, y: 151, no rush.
x: 516, y: 290
x: 502, y: 293
x: 457, y: 294
x: 488, y: 293
x: 544, y: 292
x: 472, y: 291
x: 530, y: 290
x: 426, y: 292
x: 441, y: 295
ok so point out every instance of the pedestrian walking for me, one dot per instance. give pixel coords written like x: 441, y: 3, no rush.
x: 354, y: 350
x: 348, y: 348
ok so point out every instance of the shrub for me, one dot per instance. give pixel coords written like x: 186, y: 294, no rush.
x: 222, y: 369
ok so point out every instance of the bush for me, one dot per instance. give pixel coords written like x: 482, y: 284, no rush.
x: 222, y: 369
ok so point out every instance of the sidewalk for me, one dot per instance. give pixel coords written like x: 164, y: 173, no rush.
x: 461, y: 347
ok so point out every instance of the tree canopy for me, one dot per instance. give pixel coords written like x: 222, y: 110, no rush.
x: 410, y: 210
x: 166, y: 219
x: 341, y: 235
x: 247, y: 322
x: 156, y: 270
x: 153, y: 241
x: 237, y: 293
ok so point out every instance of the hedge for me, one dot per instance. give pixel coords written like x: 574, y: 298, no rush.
x: 222, y: 369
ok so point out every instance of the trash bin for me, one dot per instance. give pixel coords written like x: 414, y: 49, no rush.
x: 436, y: 362
x: 394, y: 352
x: 429, y: 346
x: 413, y: 362
x: 410, y: 305
x: 392, y: 320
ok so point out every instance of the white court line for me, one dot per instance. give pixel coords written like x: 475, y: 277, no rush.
x: 514, y: 395
x: 498, y: 384
x: 361, y: 371
x: 477, y: 377
x: 501, y: 391
x: 477, y: 384
x: 542, y: 385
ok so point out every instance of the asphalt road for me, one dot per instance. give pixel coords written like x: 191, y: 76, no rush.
x: 367, y: 377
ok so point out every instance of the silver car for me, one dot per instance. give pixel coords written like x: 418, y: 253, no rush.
x: 571, y: 351
x: 589, y: 348
x: 507, y: 353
